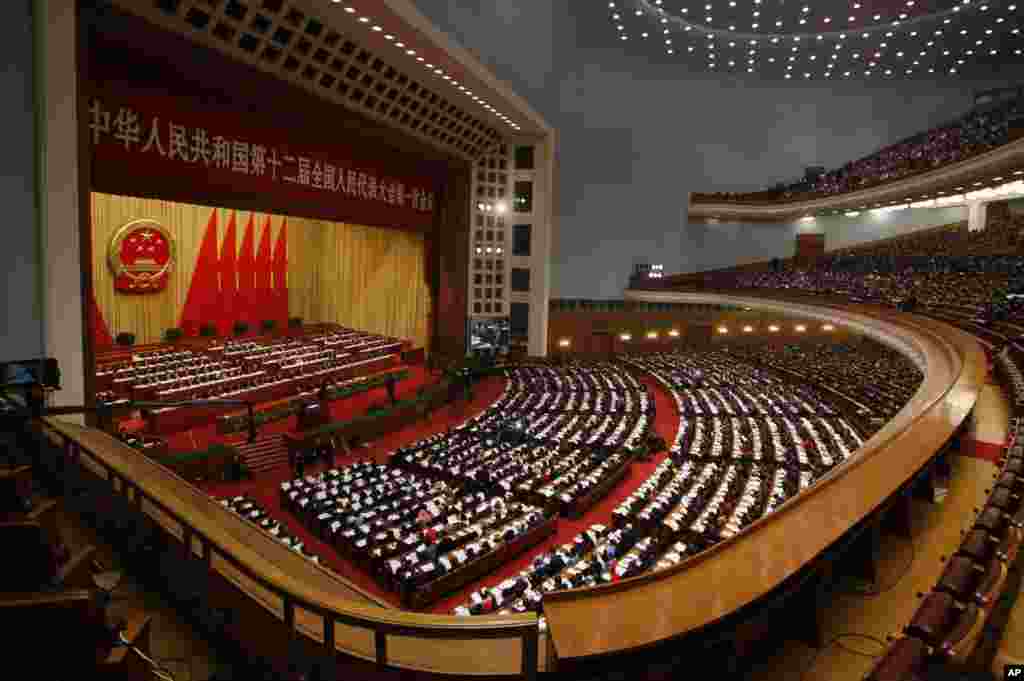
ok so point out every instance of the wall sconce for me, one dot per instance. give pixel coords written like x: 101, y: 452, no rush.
x: 774, y: 328
x: 652, y: 334
x: 563, y: 343
x: 828, y: 327
x: 673, y: 333
x: 625, y: 337
x: 723, y: 329
x: 800, y: 328
x: 747, y: 329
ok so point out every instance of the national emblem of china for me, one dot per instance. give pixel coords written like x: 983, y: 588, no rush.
x: 141, y: 254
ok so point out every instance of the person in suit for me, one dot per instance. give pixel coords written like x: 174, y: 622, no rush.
x: 390, y: 384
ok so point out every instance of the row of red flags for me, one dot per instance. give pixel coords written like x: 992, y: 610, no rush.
x: 248, y: 284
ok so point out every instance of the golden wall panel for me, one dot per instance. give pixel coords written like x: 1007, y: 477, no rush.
x: 368, y: 278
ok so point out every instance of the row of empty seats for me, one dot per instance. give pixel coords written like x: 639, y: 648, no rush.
x: 953, y: 618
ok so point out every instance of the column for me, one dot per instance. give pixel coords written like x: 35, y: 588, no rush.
x: 976, y: 216
x: 65, y: 335
x: 544, y: 202
x: 21, y: 336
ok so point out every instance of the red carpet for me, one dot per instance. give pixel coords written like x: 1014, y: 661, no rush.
x: 987, y: 451
x: 265, y: 488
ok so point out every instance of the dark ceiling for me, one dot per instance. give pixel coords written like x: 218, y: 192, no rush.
x: 825, y: 39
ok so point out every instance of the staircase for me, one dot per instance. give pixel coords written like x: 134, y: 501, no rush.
x: 267, y: 452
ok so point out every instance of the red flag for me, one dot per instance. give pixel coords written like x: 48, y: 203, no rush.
x: 228, y: 279
x: 100, y: 333
x: 244, y: 300
x: 265, y: 306
x: 281, y: 274
x: 201, y: 303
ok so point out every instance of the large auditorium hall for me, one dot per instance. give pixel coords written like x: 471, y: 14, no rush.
x: 411, y: 339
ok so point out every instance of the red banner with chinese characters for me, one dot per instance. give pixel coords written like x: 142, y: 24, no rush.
x: 185, y: 149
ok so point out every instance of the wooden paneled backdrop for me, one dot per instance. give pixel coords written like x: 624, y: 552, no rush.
x: 369, y: 278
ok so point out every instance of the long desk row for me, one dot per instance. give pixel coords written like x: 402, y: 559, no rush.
x: 175, y: 419
x: 417, y: 537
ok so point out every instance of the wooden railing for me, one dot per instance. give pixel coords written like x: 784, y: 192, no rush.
x: 306, y: 599
x: 306, y: 602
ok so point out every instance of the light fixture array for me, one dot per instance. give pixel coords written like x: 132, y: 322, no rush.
x: 826, y: 38
x: 1010, y: 185
x: 409, y: 51
x: 723, y: 329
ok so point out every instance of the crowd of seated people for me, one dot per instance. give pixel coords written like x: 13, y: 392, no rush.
x: 169, y: 369
x: 950, y: 245
x: 410, y: 531
x: 747, y: 441
x: 978, y: 131
x: 874, y: 376
x: 975, y: 281
x: 253, y: 512
x: 598, y: 555
x: 557, y: 437
x: 264, y: 370
x: 762, y: 440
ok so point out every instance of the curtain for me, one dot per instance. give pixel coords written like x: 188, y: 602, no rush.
x: 367, y: 278
x: 228, y: 280
x: 280, y: 269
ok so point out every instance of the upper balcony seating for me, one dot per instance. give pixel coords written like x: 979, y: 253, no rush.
x: 976, y: 132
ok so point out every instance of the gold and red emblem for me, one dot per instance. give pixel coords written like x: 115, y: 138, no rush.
x: 141, y: 254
